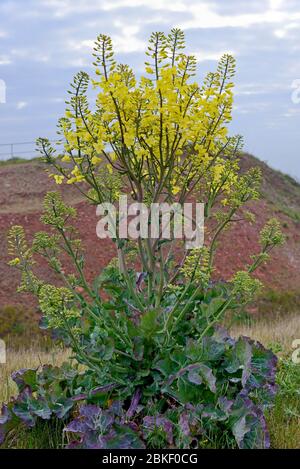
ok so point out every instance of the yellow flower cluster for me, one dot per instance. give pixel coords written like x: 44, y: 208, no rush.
x: 148, y: 126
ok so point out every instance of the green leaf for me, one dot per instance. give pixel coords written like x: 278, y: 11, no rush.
x: 208, y: 377
x: 149, y: 323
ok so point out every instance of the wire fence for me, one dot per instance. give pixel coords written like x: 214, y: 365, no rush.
x: 19, y: 149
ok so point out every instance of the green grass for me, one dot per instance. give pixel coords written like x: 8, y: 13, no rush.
x: 45, y: 435
x: 284, y: 419
x: 18, y: 160
x: 291, y: 213
x: 19, y: 326
x: 278, y: 303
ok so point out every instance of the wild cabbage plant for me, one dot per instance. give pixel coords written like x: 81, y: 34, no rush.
x: 154, y: 368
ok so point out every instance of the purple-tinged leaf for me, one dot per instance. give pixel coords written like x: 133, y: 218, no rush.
x: 221, y: 334
x: 208, y: 377
x: 99, y: 429
x: 123, y: 437
x: 184, y: 424
x: 76, y: 426
x: 140, y: 277
x: 61, y: 407
x: 134, y: 404
x: 40, y: 408
x: 5, y: 417
x: 99, y: 390
x: 248, y: 424
x: 21, y: 408
x: 225, y: 404
x: 26, y: 377
x: 194, y: 377
x: 21, y: 411
x: 205, y: 375
x: 91, y: 418
x: 116, y: 408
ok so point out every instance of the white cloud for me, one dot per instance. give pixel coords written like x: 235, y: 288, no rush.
x: 21, y: 105
x: 125, y: 41
x: 62, y: 8
x: 5, y: 60
x: 240, y: 109
x: 56, y: 100
x: 252, y: 89
x: 170, y: 5
x: 292, y: 112
x: 287, y: 30
x: 194, y: 13
x: 275, y: 4
x: 79, y: 62
x: 202, y: 55
x: 203, y: 16
x: 30, y: 53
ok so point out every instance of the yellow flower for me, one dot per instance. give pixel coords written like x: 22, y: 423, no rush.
x: 58, y: 178
x: 149, y: 70
x: 98, y: 147
x: 96, y: 160
x: 71, y: 181
x: 76, y: 171
x: 77, y: 176
x: 66, y: 159
x: 175, y: 190
x: 15, y: 261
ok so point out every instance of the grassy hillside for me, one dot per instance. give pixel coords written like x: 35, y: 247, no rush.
x: 281, y: 190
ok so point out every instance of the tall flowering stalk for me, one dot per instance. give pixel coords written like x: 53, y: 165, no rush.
x: 161, y: 138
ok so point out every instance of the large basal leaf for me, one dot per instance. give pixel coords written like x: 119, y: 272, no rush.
x: 263, y: 373
x: 208, y: 377
x: 102, y: 429
x: 25, y: 378
x: 239, y: 359
x: 61, y: 406
x: 248, y: 424
x: 124, y: 437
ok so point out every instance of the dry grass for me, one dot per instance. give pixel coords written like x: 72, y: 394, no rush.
x: 281, y: 330
x: 26, y: 358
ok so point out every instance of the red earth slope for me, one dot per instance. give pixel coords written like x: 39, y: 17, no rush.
x: 22, y: 187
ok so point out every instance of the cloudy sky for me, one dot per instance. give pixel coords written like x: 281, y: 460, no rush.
x: 43, y: 43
